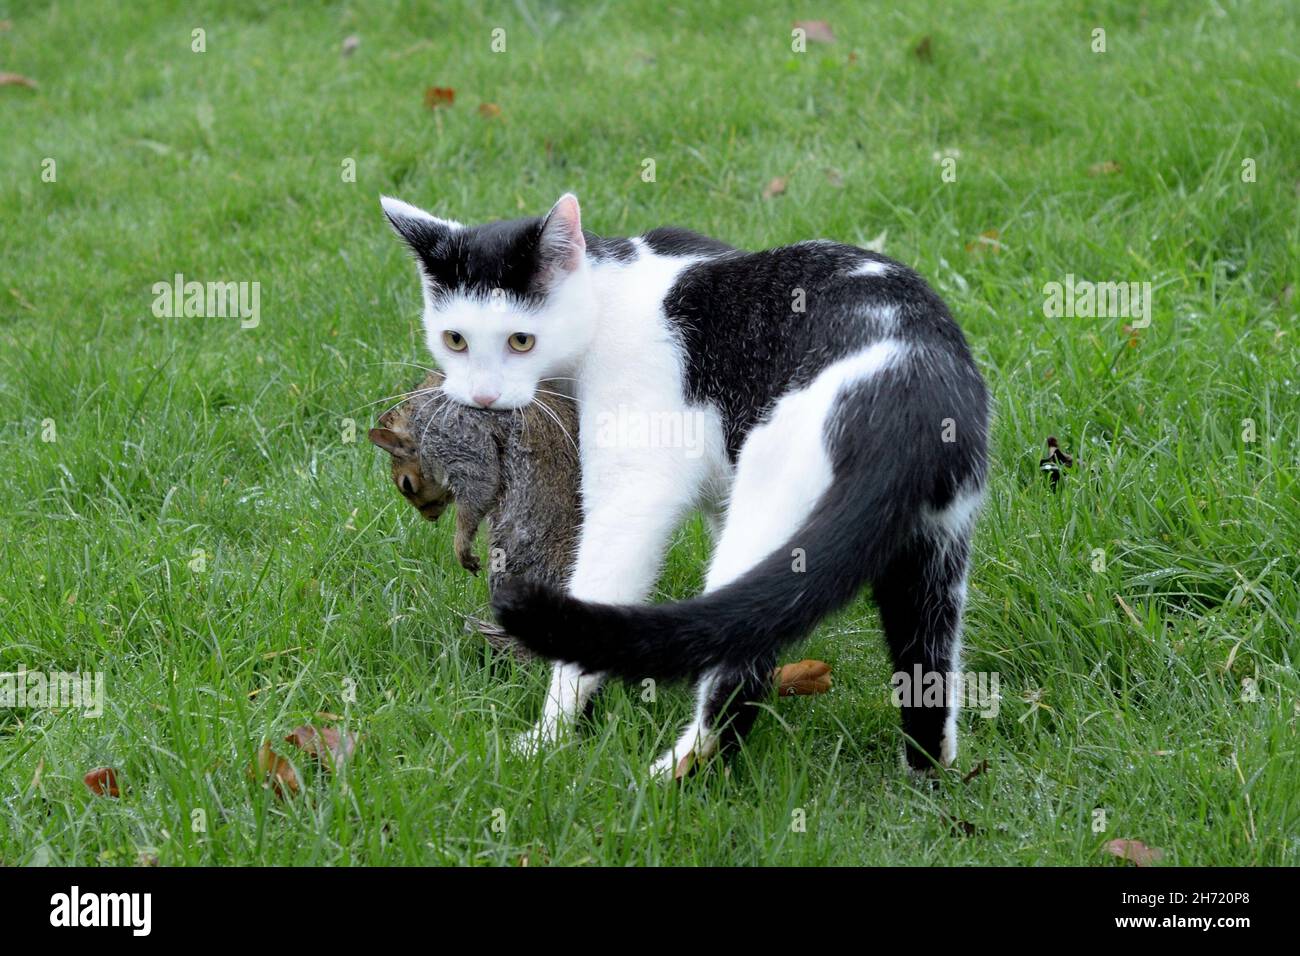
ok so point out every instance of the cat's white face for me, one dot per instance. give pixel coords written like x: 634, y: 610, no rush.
x: 506, y: 305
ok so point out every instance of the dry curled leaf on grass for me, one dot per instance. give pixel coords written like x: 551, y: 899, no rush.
x: 17, y: 79
x: 439, y: 96
x: 775, y: 188
x: 271, y: 770
x: 817, y: 31
x: 987, y: 241
x: 102, y: 782
x: 685, y: 765
x: 924, y: 51
x: 489, y: 110
x: 1135, y: 852
x: 803, y: 678
x: 1108, y: 168
x: 326, y: 744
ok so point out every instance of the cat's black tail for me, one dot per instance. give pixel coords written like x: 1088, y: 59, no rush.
x: 887, y: 469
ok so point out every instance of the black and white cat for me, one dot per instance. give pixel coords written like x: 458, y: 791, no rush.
x: 842, y: 442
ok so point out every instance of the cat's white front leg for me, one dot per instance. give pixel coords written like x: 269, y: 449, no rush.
x: 630, y: 517
x: 566, y: 698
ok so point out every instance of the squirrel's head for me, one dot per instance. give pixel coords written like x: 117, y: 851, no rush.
x: 428, y: 494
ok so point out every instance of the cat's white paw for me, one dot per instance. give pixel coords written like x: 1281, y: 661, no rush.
x: 670, y: 766
x: 533, y: 740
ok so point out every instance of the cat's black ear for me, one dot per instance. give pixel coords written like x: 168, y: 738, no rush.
x: 562, y: 244
x: 422, y: 231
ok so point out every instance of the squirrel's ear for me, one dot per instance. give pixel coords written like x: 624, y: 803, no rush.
x: 387, y: 439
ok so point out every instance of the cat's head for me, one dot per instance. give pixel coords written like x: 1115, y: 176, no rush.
x: 429, y: 494
x: 506, y: 304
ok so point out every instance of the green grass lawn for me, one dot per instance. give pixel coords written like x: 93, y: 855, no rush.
x: 209, y: 528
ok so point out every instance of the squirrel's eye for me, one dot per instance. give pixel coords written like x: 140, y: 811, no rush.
x: 454, y: 341
x: 522, y: 341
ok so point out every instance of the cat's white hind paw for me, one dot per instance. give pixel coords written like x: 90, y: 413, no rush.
x: 533, y: 740
x: 671, y: 766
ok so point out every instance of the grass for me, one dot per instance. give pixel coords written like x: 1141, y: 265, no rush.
x: 318, y: 590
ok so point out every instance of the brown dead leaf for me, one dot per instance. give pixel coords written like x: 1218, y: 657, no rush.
x: 684, y: 766
x: 817, y: 31
x: 1108, y: 168
x: 102, y: 782
x: 489, y: 110
x: 803, y: 679
x: 438, y: 96
x: 17, y: 79
x: 775, y: 188
x: 987, y: 241
x: 326, y: 744
x: 1135, y: 852
x: 272, y: 770
x: 923, y: 51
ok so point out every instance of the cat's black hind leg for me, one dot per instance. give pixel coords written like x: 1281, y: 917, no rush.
x: 725, y: 710
x: 921, y: 597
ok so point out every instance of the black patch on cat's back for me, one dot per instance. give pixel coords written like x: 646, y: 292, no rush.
x: 674, y: 241
x: 745, y: 343
x: 604, y: 250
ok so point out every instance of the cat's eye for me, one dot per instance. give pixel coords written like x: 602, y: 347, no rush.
x: 522, y: 342
x: 454, y: 341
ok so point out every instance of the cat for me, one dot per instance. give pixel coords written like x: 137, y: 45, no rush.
x: 519, y: 471
x: 840, y: 440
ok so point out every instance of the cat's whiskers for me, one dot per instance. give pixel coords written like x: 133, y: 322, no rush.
x: 400, y: 396
x: 423, y: 368
x: 568, y: 398
x: 558, y: 424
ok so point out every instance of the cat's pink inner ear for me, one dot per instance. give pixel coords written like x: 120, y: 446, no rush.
x: 562, y: 241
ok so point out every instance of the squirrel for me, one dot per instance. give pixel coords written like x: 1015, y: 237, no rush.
x: 518, y: 470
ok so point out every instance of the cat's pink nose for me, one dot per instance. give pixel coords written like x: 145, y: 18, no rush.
x: 485, y: 398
